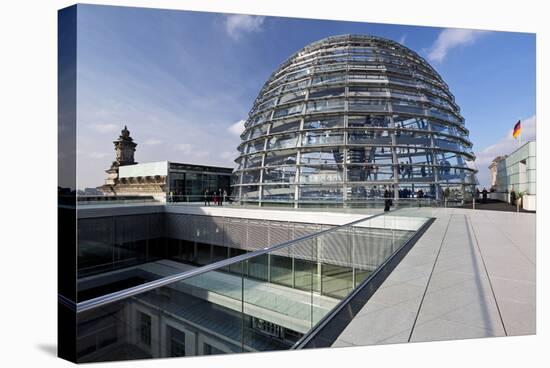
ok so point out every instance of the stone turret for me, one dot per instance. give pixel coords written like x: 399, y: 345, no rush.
x: 125, y: 147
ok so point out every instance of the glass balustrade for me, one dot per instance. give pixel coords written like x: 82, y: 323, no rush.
x: 264, y: 300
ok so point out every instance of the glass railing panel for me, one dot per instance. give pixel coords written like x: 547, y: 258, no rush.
x: 282, y: 308
x: 415, y: 216
x: 335, y: 262
x: 377, y: 245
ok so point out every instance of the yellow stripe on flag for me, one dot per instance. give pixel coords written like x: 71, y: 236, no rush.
x: 517, y: 129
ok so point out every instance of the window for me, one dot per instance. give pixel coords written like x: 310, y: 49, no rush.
x: 295, y: 85
x: 298, y: 74
x: 254, y: 161
x: 367, y: 91
x: 326, y: 92
x: 330, y: 67
x: 296, y: 109
x: 259, y: 131
x: 256, y: 146
x: 278, y: 192
x: 252, y: 176
x: 283, y: 174
x: 368, y: 105
x: 368, y: 121
x: 328, y: 78
x: 145, y: 329
x: 219, y: 253
x: 325, y: 105
x: 364, y: 77
x: 324, y: 192
x: 278, y: 158
x: 260, y: 118
x: 322, y: 157
x: 407, y: 107
x: 266, y: 327
x: 203, y: 253
x: 292, y: 96
x: 322, y: 137
x: 273, y: 92
x: 267, y: 104
x: 285, y: 126
x: 282, y: 141
x: 176, y: 342
x: 324, y: 122
x: 211, y: 350
x: 250, y: 191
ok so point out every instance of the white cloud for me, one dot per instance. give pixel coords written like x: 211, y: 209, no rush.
x: 238, y: 24
x: 184, y: 147
x: 105, y: 128
x: 504, y: 146
x: 450, y: 38
x: 229, y: 155
x: 152, y: 142
x: 237, y: 128
x: 403, y: 39
x: 200, y: 154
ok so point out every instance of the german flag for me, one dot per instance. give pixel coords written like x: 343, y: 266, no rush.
x: 517, y: 129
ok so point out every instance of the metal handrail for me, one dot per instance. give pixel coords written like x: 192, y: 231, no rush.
x: 139, y: 289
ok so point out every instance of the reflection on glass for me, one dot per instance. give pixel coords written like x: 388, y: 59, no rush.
x: 266, y: 302
x: 336, y: 280
x: 281, y: 270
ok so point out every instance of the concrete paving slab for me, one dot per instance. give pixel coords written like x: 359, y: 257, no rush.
x: 480, y: 313
x: 371, y: 328
x: 440, y: 329
x: 472, y: 274
x: 399, y: 293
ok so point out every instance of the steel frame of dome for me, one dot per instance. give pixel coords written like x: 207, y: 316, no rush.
x: 347, y: 117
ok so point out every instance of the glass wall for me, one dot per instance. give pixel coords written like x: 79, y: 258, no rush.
x: 360, y: 111
x: 191, y: 186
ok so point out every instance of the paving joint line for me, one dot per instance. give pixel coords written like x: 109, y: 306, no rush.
x: 487, y: 274
x: 430, y: 278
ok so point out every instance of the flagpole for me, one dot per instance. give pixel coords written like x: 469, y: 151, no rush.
x: 517, y: 132
x: 518, y: 126
x: 519, y: 138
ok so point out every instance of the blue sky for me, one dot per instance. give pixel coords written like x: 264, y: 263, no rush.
x: 182, y: 81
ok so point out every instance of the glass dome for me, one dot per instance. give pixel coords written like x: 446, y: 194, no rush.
x: 346, y: 118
